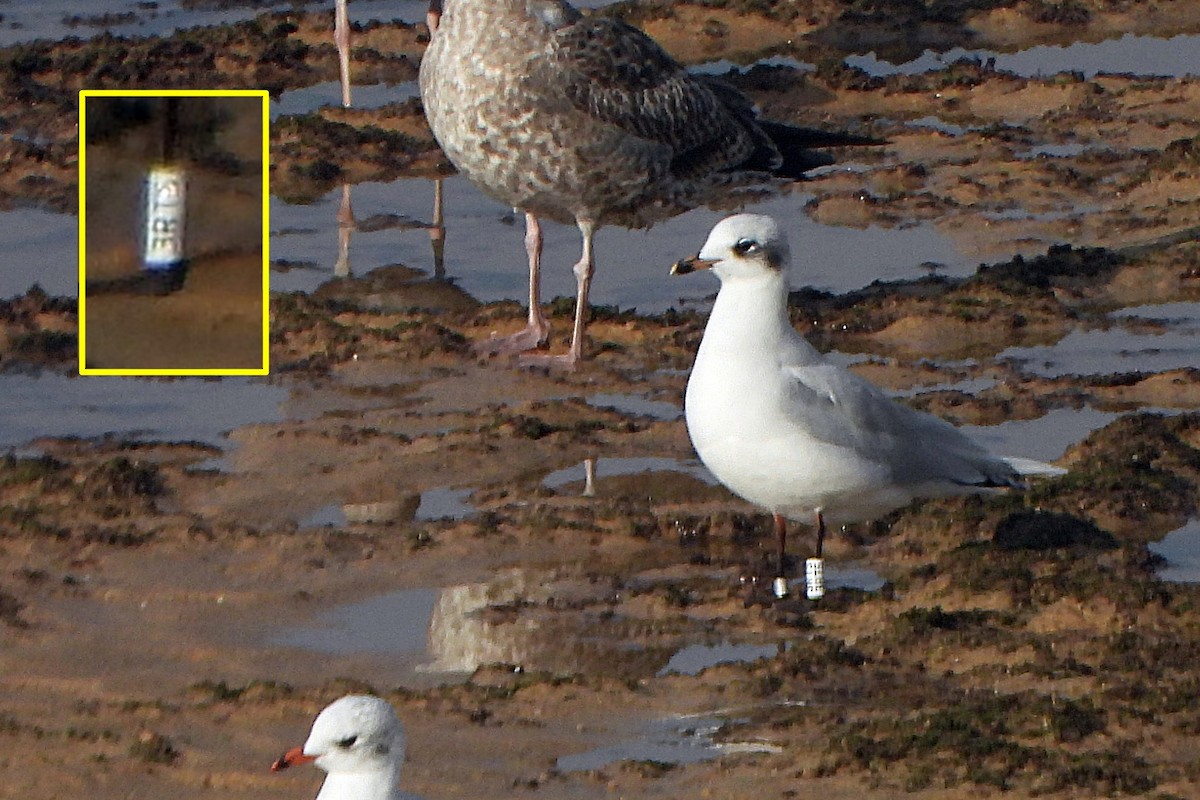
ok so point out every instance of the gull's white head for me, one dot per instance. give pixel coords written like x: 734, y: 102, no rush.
x: 354, y: 734
x: 741, y: 246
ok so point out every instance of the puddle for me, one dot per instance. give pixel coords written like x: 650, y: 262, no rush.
x: 937, y: 124
x: 679, y: 740
x: 1044, y: 438
x: 637, y: 405
x: 1181, y: 549
x: 310, y: 98
x: 970, y: 386
x: 1069, y: 150
x: 445, y: 503
x: 612, y: 467
x: 694, y: 659
x: 536, y: 621
x: 183, y: 409
x: 852, y: 575
x: 434, y: 504
x: 1105, y: 352
x: 39, y: 247
x: 724, y: 66
x: 1185, y: 314
x: 485, y: 255
x: 330, y: 516
x: 1139, y: 55
x: 26, y: 21
x: 1022, y: 213
x: 524, y: 618
x: 396, y: 623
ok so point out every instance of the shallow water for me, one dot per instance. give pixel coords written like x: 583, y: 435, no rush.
x: 25, y: 20
x: 637, y: 405
x: 182, y: 409
x: 485, y: 253
x: 1104, y: 352
x: 1177, y: 56
x: 678, y: 740
x: 396, y: 623
x: 1181, y: 549
x: 1044, y: 438
x: 695, y: 658
x: 433, y: 504
x: 524, y: 618
x: 40, y: 247
x: 329, y: 93
x: 610, y: 467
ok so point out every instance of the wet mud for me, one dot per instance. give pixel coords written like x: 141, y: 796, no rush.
x: 1017, y: 645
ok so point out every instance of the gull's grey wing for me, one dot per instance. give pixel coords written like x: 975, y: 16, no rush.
x: 838, y: 406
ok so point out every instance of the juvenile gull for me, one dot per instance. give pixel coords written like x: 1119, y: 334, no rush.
x: 783, y: 427
x: 586, y: 119
x: 358, y: 741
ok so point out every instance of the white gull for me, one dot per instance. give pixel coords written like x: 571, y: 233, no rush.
x: 783, y: 427
x: 359, y: 742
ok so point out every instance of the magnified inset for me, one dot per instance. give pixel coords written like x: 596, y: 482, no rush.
x: 174, y: 263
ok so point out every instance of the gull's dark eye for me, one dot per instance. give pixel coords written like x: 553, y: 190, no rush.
x: 745, y: 247
x: 347, y: 742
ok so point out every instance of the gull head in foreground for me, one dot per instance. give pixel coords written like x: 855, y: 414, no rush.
x: 359, y: 742
x: 786, y: 429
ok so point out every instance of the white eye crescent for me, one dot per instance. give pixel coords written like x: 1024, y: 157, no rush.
x: 745, y: 247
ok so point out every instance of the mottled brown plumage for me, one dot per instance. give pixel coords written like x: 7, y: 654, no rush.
x: 586, y: 119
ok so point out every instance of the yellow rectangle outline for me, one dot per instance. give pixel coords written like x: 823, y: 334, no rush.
x: 264, y: 95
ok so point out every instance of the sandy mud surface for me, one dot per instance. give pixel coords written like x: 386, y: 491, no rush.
x: 1009, y: 645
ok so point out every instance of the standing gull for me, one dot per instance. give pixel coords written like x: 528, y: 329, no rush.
x: 359, y: 743
x: 586, y: 119
x: 783, y: 427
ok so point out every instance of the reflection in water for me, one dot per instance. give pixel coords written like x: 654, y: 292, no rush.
x: 437, y: 231
x: 297, y: 102
x: 394, y: 623
x: 628, y: 466
x: 345, y: 226
x: 433, y: 504
x: 521, y: 618
x: 633, y: 274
